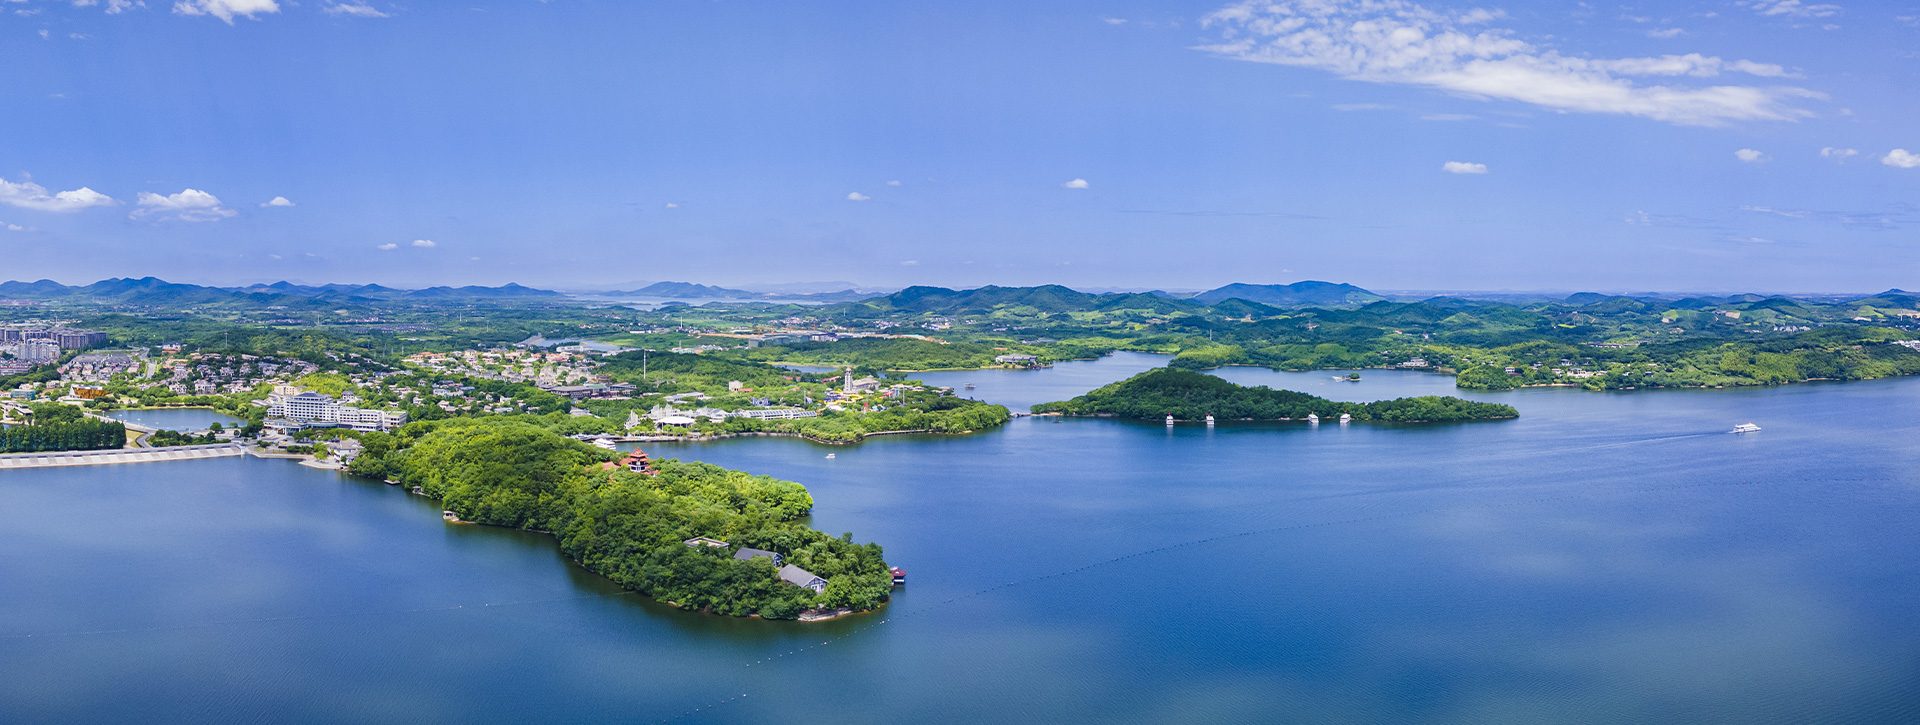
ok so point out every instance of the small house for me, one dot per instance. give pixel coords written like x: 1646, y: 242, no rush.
x: 704, y: 541
x: 802, y: 578
x: 747, y: 554
x: 899, y: 576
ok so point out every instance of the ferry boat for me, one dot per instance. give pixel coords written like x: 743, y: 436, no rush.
x: 1746, y: 428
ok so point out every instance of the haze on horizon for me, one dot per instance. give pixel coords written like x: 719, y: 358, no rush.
x: 1744, y: 145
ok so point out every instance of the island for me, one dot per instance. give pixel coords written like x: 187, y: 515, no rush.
x: 695, y: 535
x: 1188, y: 395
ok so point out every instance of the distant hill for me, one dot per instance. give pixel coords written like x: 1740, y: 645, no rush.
x: 1051, y: 298
x: 1298, y: 294
x: 155, y: 291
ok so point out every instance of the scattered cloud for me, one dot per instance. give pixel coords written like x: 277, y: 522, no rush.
x: 44, y: 35
x: 388, y: 247
x: 1878, y: 221
x: 1401, y: 42
x: 190, y: 205
x: 1751, y: 156
x: 1790, y: 8
x: 910, y: 263
x: 1901, y: 158
x: 1746, y: 240
x: 276, y: 201
x: 28, y: 195
x: 1447, y: 117
x: 857, y: 196
x: 16, y: 227
x: 225, y: 9
x: 1075, y: 184
x: 1114, y: 21
x: 354, y: 10
x: 673, y: 205
x: 1666, y: 33
x: 1839, y: 154
x: 895, y: 182
x: 116, y: 7
x: 424, y: 243
x: 1362, y: 107
x: 1463, y: 167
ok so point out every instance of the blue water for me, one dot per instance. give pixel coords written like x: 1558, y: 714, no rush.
x: 1604, y: 558
x: 181, y: 419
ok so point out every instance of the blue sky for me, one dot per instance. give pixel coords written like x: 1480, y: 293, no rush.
x: 1765, y: 145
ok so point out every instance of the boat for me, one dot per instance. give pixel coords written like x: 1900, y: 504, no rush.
x: 605, y: 443
x: 1312, y: 418
x: 969, y: 386
x: 829, y: 455
x: 1169, y: 419
x: 1209, y: 419
x: 1346, y: 417
x: 1746, y: 428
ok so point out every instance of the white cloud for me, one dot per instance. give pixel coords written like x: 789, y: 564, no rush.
x: 388, y: 247
x: 1463, y: 167
x: 1665, y: 33
x: 1400, y: 42
x: 1114, y: 21
x: 190, y: 205
x: 1751, y: 156
x: 44, y: 35
x: 28, y: 195
x: 1447, y: 117
x: 15, y: 227
x: 1362, y: 107
x: 225, y: 9
x: 895, y: 182
x: 1900, y: 158
x: 1791, y: 8
x: 424, y: 243
x: 1075, y: 184
x: 276, y: 201
x: 116, y: 7
x: 672, y: 205
x: 910, y: 263
x: 857, y: 196
x: 355, y: 10
x: 1839, y: 154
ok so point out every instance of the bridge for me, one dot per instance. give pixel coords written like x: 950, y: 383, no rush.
x: 118, y: 455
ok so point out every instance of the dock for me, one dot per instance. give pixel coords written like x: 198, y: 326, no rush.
x: 51, y: 459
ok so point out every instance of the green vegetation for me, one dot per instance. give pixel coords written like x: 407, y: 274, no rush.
x: 628, y: 526
x: 1189, y: 395
x: 58, y: 427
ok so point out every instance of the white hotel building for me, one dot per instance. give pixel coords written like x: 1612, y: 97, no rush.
x: 305, y: 407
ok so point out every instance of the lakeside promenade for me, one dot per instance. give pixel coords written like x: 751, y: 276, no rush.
x: 118, y: 455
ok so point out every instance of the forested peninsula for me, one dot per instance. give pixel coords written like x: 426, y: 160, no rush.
x: 629, y: 526
x: 1189, y: 395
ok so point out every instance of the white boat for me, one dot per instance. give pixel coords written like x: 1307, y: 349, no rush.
x: 1346, y: 417
x: 829, y: 455
x: 605, y: 443
x: 1209, y: 419
x: 1312, y: 418
x: 969, y: 386
x: 1169, y: 420
x: 1746, y: 428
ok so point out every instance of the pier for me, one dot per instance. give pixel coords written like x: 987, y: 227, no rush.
x: 118, y: 455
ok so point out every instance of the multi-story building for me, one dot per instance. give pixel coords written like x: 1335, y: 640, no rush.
x: 304, y: 407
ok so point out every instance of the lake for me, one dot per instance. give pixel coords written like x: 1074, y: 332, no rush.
x: 181, y: 419
x: 1605, y: 558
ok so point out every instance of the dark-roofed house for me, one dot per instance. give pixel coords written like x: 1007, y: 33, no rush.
x: 802, y: 578
x: 747, y: 554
